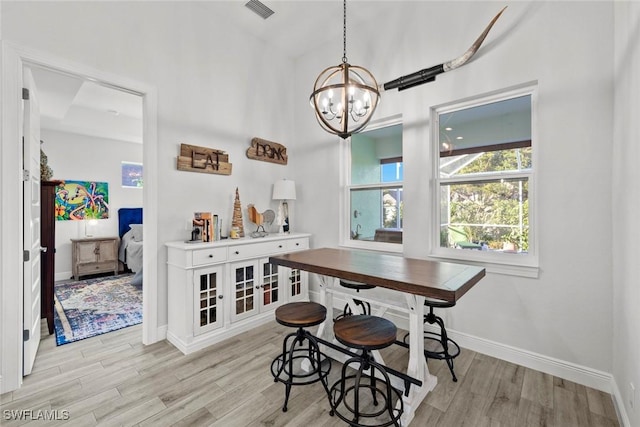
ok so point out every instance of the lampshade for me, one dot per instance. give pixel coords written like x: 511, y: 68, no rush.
x: 284, y: 189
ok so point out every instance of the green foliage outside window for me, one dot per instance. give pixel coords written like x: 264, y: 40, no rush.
x: 492, y: 211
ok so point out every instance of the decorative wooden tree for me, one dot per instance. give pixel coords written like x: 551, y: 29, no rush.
x: 237, y: 214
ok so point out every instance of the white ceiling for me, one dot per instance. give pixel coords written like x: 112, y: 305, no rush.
x: 72, y: 104
x: 300, y: 25
x: 75, y: 105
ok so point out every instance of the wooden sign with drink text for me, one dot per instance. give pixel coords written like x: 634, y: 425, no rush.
x: 267, y: 151
x: 203, y: 160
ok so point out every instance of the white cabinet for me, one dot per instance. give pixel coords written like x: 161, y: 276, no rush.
x: 220, y: 289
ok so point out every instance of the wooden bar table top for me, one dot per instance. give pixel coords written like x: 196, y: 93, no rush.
x: 433, y: 279
x: 412, y: 279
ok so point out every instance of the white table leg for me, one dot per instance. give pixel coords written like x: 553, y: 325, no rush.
x: 417, y: 367
x: 325, y: 330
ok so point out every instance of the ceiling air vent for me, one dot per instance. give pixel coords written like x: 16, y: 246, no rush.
x: 259, y: 8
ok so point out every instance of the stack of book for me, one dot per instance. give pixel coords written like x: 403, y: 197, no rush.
x: 208, y: 226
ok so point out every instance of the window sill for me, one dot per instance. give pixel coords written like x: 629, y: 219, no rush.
x: 372, y: 245
x: 496, y: 265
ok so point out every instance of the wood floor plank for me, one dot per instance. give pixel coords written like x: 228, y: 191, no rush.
x: 119, y: 405
x: 506, y: 398
x: 570, y: 408
x: 134, y: 415
x: 538, y: 387
x: 115, y: 380
x: 200, y: 418
x: 600, y: 403
x: 533, y: 414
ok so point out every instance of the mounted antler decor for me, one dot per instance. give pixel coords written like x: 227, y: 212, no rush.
x: 429, y: 74
x: 349, y: 109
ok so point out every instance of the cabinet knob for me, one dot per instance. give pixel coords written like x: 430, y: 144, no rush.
x: 219, y: 296
x: 210, y: 255
x: 297, y: 244
x: 258, y: 287
x: 237, y: 253
x: 280, y: 246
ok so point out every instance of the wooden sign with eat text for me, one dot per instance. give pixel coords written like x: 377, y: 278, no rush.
x: 203, y: 160
x: 267, y: 151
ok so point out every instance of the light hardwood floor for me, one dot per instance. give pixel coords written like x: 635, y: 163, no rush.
x: 113, y: 380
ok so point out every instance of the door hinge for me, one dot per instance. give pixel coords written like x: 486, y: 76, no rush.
x: 26, y: 255
x: 25, y: 175
x: 25, y: 335
x: 25, y: 93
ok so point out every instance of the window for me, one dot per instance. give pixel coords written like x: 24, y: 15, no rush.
x: 374, y: 191
x: 484, y: 182
x: 131, y: 175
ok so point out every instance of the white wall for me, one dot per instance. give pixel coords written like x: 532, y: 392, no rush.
x: 217, y: 87
x: 87, y: 158
x: 566, y: 313
x: 626, y: 207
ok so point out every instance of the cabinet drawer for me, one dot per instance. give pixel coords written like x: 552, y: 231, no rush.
x: 209, y: 256
x: 84, y: 269
x: 298, y: 244
x: 256, y: 250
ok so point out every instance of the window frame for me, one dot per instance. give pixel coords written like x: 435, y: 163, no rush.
x: 127, y: 162
x: 346, y: 187
x: 525, y: 265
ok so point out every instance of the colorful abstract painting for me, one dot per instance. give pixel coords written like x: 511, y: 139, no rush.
x: 79, y: 200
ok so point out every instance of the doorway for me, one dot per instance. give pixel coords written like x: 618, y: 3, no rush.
x: 91, y: 142
x: 14, y: 60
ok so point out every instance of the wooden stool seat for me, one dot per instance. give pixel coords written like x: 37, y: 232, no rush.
x: 350, y: 284
x: 351, y: 396
x: 438, y: 303
x: 357, y: 286
x: 442, y: 347
x: 300, y: 348
x: 301, y: 314
x: 365, y: 332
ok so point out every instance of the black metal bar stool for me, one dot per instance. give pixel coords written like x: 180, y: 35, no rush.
x: 446, y: 349
x: 358, y: 286
x: 300, y: 347
x: 348, y: 401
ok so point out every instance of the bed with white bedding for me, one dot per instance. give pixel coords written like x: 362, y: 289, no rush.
x: 131, y: 238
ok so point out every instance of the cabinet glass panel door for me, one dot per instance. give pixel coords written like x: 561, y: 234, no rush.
x: 245, y: 288
x: 297, y: 282
x: 270, y: 286
x: 208, y: 299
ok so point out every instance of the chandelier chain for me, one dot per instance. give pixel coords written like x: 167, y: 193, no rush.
x: 344, y: 32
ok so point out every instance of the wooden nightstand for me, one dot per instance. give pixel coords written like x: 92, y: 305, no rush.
x: 94, y: 255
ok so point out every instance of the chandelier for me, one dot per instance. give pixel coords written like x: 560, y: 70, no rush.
x: 345, y: 96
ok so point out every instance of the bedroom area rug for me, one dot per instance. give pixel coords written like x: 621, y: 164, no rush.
x: 91, y: 307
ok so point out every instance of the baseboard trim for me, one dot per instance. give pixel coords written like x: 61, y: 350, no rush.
x: 618, y: 403
x: 188, y: 345
x: 579, y: 374
x: 60, y: 276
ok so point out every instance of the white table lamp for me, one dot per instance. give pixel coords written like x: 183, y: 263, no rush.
x: 284, y: 190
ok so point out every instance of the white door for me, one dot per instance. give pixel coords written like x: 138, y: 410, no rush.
x: 31, y: 199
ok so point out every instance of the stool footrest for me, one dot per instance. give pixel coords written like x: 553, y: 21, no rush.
x: 280, y: 369
x: 452, y: 351
x: 363, y: 400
